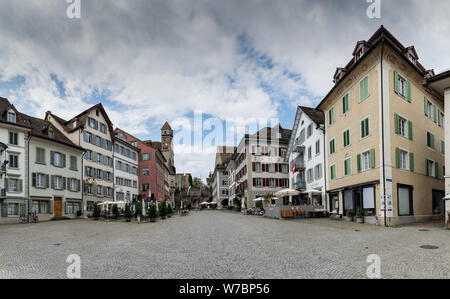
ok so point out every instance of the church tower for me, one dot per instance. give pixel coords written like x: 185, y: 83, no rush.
x: 167, y: 144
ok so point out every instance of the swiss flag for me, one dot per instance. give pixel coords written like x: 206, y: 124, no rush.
x: 294, y: 168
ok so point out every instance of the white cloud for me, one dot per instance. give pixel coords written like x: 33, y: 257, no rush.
x: 159, y: 60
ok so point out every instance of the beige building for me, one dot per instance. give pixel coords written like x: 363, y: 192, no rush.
x: 441, y: 84
x: 384, y: 135
x: 93, y: 131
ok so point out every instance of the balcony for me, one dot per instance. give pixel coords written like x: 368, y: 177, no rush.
x: 299, y: 149
x: 299, y: 162
x: 299, y: 185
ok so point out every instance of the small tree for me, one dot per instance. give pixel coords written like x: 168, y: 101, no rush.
x: 152, y: 212
x: 237, y: 203
x: 163, y: 210
x: 138, y: 209
x: 97, y: 212
x: 115, y: 211
x: 128, y: 212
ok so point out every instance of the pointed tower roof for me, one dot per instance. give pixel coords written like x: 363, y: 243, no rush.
x: 166, y: 126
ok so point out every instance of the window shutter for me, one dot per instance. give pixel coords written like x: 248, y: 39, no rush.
x: 425, y: 102
x: 52, y: 178
x: 427, y: 167
x: 434, y: 114
x: 33, y: 180
x: 63, y: 160
x: 254, y: 182
x: 64, y: 181
x: 436, y: 169
x: 363, y: 89
x: 442, y: 147
x: 410, y: 130
x: 52, y: 158
x: 65, y: 207
x: 397, y: 157
x: 411, y: 162
x: 20, y: 185
x: 50, y: 209
x: 254, y: 166
x: 432, y: 140
x: 4, y: 209
x: 358, y: 159
x: 397, y: 123
x: 408, y: 91
x: 6, y: 185
x: 372, y: 158
x: 396, y: 81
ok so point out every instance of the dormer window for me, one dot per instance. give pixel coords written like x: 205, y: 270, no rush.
x: 412, y: 59
x: 50, y: 133
x: 358, y: 55
x: 74, y: 124
x: 11, y: 117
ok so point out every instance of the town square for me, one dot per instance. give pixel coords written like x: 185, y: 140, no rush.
x: 224, y: 140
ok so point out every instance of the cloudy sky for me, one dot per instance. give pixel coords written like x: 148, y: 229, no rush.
x: 149, y: 61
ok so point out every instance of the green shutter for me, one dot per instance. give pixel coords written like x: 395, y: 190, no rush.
x: 436, y: 169
x: 425, y: 101
x: 434, y: 114
x: 397, y: 157
x: 397, y: 123
x: 33, y: 179
x: 442, y: 147
x: 410, y: 130
x: 432, y: 141
x: 411, y: 162
x: 408, y: 91
x: 372, y: 158
x: 396, y: 81
x: 358, y: 161
x: 364, y: 89
x: 427, y: 167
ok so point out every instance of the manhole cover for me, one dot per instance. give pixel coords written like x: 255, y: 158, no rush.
x: 57, y: 244
x: 424, y: 230
x: 429, y: 247
x: 357, y: 230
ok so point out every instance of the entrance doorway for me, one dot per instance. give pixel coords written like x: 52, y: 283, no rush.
x: 58, y: 206
x: 438, y: 202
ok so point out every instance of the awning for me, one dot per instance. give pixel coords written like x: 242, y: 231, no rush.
x: 312, y: 192
x: 287, y: 192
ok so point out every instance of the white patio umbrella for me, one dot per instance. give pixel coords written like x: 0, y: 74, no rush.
x: 287, y: 192
x: 258, y: 199
x: 311, y: 192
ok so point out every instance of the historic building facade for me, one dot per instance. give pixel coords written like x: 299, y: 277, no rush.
x: 93, y: 131
x: 219, y: 179
x: 126, y: 169
x: 14, y: 132
x: 384, y: 135
x: 306, y: 155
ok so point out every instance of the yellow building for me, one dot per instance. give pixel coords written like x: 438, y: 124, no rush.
x: 385, y: 136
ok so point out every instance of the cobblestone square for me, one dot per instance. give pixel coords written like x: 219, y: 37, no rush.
x: 221, y: 244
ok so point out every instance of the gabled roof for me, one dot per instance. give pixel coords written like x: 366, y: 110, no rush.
x: 81, y: 120
x: 5, y: 106
x: 40, y: 128
x: 266, y: 133
x: 314, y: 114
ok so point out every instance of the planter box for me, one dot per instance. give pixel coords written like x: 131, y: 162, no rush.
x: 360, y: 220
x: 349, y: 219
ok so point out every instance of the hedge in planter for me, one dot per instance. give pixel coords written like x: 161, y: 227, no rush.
x: 97, y: 212
x: 169, y: 210
x: 152, y: 212
x: 163, y: 210
x: 350, y: 215
x: 128, y: 212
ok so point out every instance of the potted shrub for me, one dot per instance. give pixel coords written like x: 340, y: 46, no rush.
x: 350, y: 215
x: 360, y: 216
x: 152, y: 213
x: 97, y: 212
x: 128, y: 212
x: 169, y: 210
x: 163, y: 210
x: 115, y: 211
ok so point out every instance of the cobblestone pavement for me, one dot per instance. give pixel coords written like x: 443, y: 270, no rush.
x: 221, y: 244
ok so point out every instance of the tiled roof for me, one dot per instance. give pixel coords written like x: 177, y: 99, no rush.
x: 5, y: 106
x: 266, y: 133
x: 316, y: 115
x: 166, y: 126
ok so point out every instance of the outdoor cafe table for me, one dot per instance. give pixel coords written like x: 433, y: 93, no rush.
x: 316, y: 213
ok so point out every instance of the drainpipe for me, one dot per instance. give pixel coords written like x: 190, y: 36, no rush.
x: 27, y: 176
x: 84, y: 205
x: 382, y: 135
x: 325, y: 166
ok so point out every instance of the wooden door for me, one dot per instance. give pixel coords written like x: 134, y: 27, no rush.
x: 58, y: 207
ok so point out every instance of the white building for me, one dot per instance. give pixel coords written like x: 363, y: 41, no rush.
x: 14, y: 131
x: 54, y: 172
x: 306, y: 154
x: 231, y: 170
x: 219, y: 180
x: 126, y: 170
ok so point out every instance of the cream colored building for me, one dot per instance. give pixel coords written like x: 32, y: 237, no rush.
x: 93, y: 131
x: 441, y: 84
x: 384, y: 135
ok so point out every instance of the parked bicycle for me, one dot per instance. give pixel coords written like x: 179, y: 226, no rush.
x: 29, y: 218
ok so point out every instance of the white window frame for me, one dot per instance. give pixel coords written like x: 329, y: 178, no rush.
x: 363, y: 161
x: 405, y: 128
x: 405, y: 165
